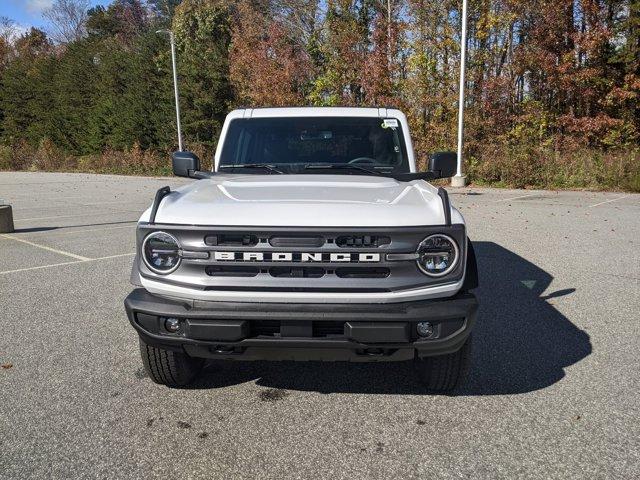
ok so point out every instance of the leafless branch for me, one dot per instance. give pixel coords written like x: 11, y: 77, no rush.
x: 67, y: 20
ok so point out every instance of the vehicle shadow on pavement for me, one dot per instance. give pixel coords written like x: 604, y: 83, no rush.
x: 47, y: 229
x: 521, y: 343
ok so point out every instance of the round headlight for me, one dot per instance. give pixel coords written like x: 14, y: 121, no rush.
x: 161, y: 252
x: 437, y: 255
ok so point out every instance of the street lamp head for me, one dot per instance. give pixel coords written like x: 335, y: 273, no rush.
x: 172, y: 37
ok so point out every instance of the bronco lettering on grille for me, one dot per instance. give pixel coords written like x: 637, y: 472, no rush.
x: 301, y: 257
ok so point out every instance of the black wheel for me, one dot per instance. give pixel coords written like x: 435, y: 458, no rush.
x: 445, y: 372
x: 166, y: 367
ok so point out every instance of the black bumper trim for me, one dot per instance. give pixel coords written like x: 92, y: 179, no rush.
x: 369, y: 332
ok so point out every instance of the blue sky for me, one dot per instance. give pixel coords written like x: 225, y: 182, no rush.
x: 27, y: 13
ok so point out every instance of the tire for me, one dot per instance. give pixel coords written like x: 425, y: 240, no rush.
x: 166, y: 367
x: 445, y: 372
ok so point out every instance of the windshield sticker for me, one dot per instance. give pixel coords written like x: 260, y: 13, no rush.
x: 390, y: 123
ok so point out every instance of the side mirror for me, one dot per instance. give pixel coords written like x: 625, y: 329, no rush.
x: 185, y: 164
x: 443, y: 164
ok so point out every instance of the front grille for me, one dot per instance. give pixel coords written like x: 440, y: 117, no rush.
x: 289, y: 260
x: 297, y: 272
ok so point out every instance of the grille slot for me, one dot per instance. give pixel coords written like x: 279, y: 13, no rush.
x: 287, y: 242
x: 235, y: 271
x: 232, y: 240
x: 297, y: 272
x: 271, y: 328
x: 265, y: 328
x: 362, y: 272
x: 362, y: 241
x: 325, y: 329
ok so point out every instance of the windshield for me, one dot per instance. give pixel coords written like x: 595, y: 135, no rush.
x: 313, y: 144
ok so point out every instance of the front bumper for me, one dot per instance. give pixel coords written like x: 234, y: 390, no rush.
x: 301, y: 331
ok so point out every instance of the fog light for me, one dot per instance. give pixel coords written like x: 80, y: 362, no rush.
x: 172, y: 324
x: 425, y: 329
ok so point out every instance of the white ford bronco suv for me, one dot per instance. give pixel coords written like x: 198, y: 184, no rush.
x: 313, y: 238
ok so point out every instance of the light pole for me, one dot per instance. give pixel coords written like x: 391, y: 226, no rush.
x: 172, y: 39
x: 459, y: 180
x: 389, y: 32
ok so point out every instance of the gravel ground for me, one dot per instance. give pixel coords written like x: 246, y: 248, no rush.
x: 553, y: 391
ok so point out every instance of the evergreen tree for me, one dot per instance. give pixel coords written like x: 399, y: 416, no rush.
x: 203, y: 36
x: 73, y: 93
x: 25, y: 97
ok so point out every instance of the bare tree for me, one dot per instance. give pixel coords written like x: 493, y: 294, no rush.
x: 8, y: 33
x: 67, y: 19
x: 8, y: 29
x: 301, y: 16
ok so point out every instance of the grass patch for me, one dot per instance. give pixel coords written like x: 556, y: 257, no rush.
x: 496, y: 165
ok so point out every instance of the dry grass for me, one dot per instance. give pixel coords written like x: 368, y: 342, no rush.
x: 552, y: 169
x: 496, y: 165
x: 47, y: 157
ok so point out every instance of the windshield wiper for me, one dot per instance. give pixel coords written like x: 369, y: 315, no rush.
x: 344, y: 166
x: 266, y: 166
x: 401, y: 177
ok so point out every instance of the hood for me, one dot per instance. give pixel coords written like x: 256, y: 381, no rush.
x: 303, y: 201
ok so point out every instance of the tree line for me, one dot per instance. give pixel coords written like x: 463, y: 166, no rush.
x: 553, y: 85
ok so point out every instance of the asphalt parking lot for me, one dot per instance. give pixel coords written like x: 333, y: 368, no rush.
x: 553, y: 392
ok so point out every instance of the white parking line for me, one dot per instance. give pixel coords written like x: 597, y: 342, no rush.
x: 66, y: 263
x: 56, y: 198
x: 115, y: 256
x: 515, y: 198
x: 44, y: 247
x: 608, y: 201
x: 142, y: 202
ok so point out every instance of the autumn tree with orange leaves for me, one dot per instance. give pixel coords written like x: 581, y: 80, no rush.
x: 269, y: 65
